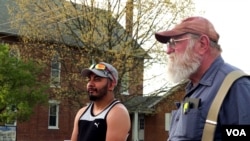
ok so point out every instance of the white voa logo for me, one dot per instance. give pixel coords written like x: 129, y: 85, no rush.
x: 236, y: 132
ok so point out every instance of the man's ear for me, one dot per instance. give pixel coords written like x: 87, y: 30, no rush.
x: 111, y: 85
x: 204, y: 44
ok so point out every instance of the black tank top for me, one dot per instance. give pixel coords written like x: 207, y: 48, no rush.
x: 94, y: 127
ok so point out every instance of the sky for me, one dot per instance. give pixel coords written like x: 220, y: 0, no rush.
x: 232, y: 21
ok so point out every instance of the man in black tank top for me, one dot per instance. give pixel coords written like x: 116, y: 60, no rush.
x: 105, y: 118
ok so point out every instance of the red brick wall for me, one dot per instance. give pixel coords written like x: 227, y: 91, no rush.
x: 36, y: 129
x: 155, y: 124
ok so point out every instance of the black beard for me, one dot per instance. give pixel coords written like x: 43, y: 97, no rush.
x: 102, y: 92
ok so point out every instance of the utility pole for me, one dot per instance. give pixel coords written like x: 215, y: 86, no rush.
x: 129, y: 17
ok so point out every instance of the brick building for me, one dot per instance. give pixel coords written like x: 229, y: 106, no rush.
x: 150, y: 115
x: 54, y: 122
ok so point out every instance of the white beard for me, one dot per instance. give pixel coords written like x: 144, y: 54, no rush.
x: 181, y: 66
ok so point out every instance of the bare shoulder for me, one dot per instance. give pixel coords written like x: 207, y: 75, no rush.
x: 118, y: 123
x: 119, y: 108
x: 119, y: 112
x: 80, y: 111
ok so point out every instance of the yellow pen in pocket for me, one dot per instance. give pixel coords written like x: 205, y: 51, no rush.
x: 186, y: 107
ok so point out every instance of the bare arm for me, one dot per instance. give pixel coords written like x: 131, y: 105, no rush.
x: 118, y: 123
x: 75, y: 128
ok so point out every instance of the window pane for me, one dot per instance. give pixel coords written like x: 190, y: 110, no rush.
x: 52, y: 121
x: 141, y: 122
x: 55, y: 71
x: 53, y: 110
x: 55, y: 65
x: 53, y: 115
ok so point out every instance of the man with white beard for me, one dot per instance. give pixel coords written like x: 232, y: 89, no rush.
x: 195, y: 55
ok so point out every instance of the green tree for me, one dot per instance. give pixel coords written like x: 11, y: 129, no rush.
x: 20, y: 91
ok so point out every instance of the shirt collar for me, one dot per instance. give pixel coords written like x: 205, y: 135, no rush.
x: 210, y: 74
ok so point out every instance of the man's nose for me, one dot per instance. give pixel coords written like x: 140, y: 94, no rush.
x: 90, y: 83
x: 169, y: 50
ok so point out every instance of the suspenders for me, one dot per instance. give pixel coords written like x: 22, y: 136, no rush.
x: 211, y: 122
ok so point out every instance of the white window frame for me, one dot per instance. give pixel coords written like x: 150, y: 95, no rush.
x: 55, y: 71
x: 53, y: 103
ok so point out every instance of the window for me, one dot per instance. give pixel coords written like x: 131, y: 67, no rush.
x: 141, y: 122
x: 7, y: 133
x: 53, y: 114
x: 55, y: 71
x: 167, y: 121
x: 125, y: 84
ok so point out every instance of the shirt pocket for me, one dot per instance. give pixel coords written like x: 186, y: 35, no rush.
x: 188, y: 125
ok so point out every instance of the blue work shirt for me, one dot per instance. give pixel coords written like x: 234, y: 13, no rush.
x: 234, y: 109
